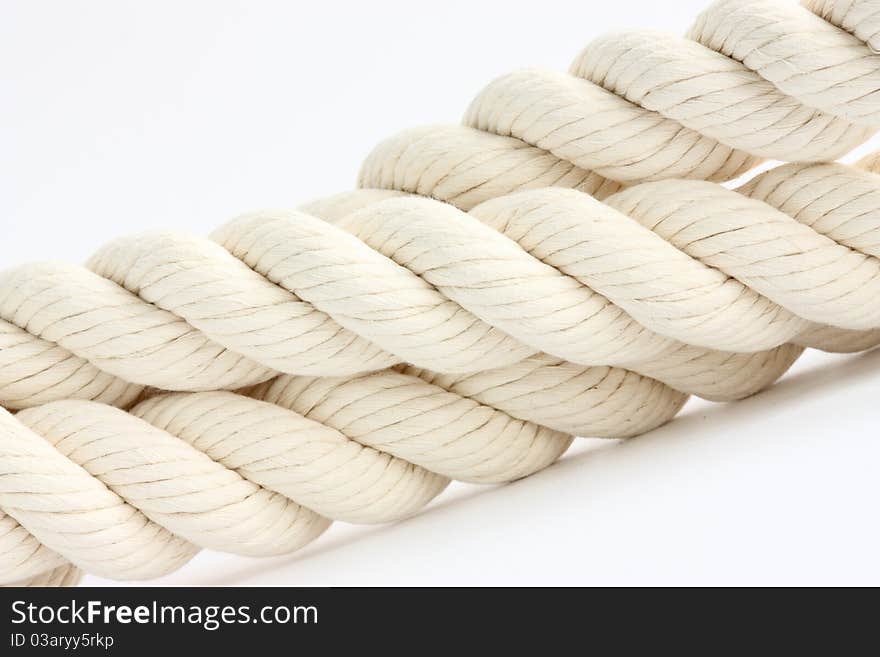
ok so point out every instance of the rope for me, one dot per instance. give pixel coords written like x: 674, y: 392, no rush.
x: 381, y: 344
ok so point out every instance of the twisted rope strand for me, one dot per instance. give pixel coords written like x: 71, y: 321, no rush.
x: 430, y: 313
x: 861, y: 18
x: 222, y: 471
x: 753, y: 80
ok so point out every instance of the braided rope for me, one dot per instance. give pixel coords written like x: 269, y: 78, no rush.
x: 514, y: 313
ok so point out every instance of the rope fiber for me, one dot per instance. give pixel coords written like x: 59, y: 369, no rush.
x: 564, y: 263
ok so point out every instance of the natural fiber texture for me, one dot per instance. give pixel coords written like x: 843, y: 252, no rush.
x: 382, y: 343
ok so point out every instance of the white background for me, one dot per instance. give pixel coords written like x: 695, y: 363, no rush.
x: 117, y: 117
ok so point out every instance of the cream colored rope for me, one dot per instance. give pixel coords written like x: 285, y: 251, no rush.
x: 513, y: 310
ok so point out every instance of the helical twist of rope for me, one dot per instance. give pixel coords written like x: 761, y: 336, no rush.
x: 564, y: 263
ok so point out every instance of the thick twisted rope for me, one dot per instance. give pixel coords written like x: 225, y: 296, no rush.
x: 754, y: 79
x: 538, y: 315
x: 227, y: 472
